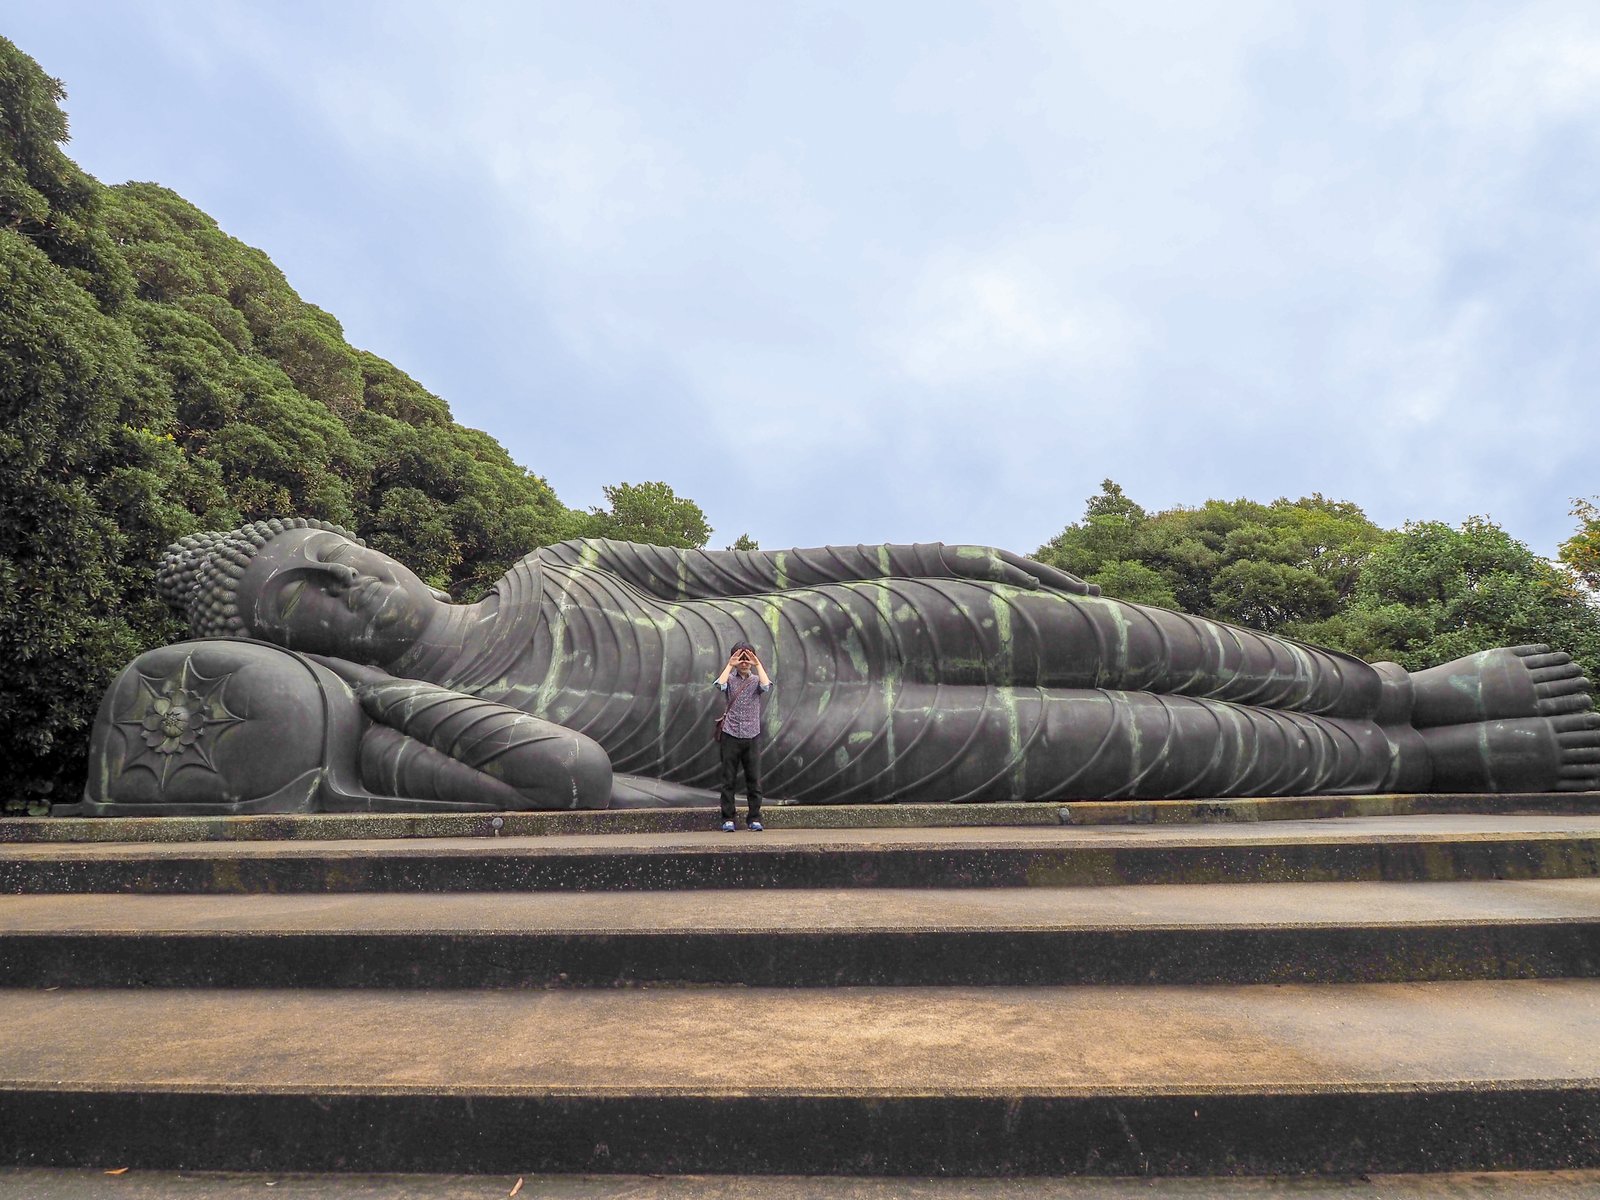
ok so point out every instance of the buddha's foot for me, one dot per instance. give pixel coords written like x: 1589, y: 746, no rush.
x: 1514, y: 681
x: 1517, y: 719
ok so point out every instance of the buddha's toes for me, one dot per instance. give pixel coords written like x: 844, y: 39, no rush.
x: 1578, y: 735
x: 1559, y: 684
x: 1564, y: 695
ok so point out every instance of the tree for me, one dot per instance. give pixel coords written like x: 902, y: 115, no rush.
x: 71, y: 375
x: 745, y: 542
x: 1268, y: 566
x: 1434, y: 593
x: 650, y: 512
x: 1581, y: 552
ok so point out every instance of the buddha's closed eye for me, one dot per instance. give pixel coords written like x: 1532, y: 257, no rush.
x: 291, y: 597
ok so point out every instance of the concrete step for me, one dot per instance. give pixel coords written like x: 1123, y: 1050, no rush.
x: 1101, y: 1080
x: 349, y: 826
x: 1440, y: 848
x: 67, y: 1183
x: 1221, y: 933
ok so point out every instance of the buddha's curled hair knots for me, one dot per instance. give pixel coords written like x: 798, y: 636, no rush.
x: 198, y: 575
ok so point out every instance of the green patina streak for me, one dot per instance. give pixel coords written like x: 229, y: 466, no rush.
x: 780, y: 565
x: 1005, y: 667
x: 894, y: 673
x: 408, y: 749
x: 772, y: 618
x: 1135, y: 745
x: 825, y: 676
x: 551, y: 684
x: 1114, y: 673
x: 1004, y: 647
x: 1008, y: 704
x: 1226, y: 675
x: 773, y: 660
x: 858, y: 655
x: 666, y: 623
x: 1304, y: 670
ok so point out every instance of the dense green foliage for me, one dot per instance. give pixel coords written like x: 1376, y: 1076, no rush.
x: 158, y: 376
x: 649, y: 512
x: 1268, y: 566
x: 1319, y: 570
x: 1431, y: 593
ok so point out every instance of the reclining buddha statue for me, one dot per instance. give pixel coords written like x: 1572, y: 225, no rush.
x: 325, y: 676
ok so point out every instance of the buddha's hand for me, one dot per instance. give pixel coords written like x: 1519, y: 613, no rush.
x: 1002, y: 566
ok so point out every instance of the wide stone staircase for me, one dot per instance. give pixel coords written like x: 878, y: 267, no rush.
x: 1325, y: 985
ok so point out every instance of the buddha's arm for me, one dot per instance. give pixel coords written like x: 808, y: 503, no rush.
x: 674, y: 574
x: 471, y: 749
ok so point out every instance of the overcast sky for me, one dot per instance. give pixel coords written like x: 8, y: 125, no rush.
x: 918, y: 271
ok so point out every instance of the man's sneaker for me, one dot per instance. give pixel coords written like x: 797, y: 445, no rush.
x: 727, y: 827
x: 755, y: 826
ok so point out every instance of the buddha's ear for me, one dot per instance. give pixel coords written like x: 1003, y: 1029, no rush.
x: 441, y: 597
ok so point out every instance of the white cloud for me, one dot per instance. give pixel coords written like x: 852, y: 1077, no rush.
x: 1502, y: 79
x: 973, y: 318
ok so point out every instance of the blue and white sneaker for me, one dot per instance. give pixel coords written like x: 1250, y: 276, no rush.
x: 727, y: 827
x: 755, y: 826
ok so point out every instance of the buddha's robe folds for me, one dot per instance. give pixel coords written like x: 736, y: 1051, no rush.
x: 910, y: 673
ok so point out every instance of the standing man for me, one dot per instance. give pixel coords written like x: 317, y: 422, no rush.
x: 744, y: 680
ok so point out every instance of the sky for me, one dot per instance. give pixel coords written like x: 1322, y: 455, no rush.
x: 918, y: 271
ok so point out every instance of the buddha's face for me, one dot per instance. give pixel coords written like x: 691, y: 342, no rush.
x: 312, y: 590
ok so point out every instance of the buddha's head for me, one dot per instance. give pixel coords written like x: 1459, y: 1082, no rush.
x: 302, y: 584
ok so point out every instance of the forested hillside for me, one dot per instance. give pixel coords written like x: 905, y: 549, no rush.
x: 158, y: 376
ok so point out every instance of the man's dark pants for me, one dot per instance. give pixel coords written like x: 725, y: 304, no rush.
x: 737, y: 752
